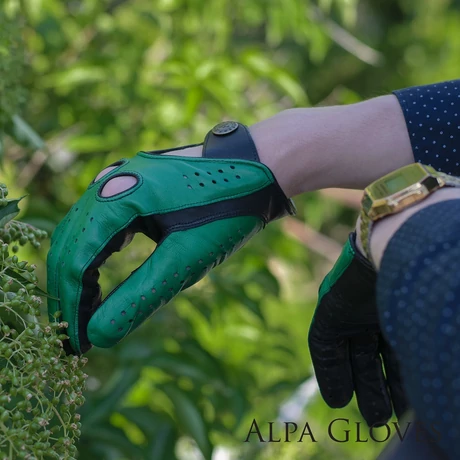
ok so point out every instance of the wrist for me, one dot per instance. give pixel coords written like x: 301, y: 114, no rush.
x: 384, y: 229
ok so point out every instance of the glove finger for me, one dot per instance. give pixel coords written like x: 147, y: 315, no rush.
x: 89, y: 233
x: 331, y: 361
x: 369, y: 381
x: 394, y: 380
x: 179, y: 261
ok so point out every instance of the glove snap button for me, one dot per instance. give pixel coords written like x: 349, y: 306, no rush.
x: 224, y: 128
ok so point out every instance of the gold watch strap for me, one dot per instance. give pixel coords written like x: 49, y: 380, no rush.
x: 365, y: 234
x: 367, y: 223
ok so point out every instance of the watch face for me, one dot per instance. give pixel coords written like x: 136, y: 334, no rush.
x: 397, y: 181
x: 399, y: 189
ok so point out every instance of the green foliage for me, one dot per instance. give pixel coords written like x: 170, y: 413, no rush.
x: 107, y: 78
x: 11, y: 68
x: 40, y: 386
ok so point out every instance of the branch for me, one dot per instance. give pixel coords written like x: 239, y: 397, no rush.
x: 313, y: 240
x: 348, y: 41
x: 350, y: 198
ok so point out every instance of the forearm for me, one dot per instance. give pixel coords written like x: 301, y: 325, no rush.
x: 341, y: 146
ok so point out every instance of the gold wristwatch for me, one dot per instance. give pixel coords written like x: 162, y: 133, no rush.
x: 397, y: 191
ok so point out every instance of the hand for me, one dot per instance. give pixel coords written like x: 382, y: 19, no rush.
x: 198, y: 210
x: 346, y: 345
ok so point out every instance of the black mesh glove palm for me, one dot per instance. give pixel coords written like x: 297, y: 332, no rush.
x: 346, y: 345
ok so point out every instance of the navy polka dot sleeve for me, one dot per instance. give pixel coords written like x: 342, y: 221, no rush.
x: 432, y: 116
x: 418, y: 295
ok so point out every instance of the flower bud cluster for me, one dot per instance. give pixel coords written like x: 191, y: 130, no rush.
x: 41, y: 387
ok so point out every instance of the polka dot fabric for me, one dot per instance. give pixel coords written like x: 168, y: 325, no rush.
x: 432, y: 116
x: 418, y: 292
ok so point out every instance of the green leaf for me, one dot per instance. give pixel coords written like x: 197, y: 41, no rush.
x: 121, y: 382
x: 75, y: 76
x: 24, y: 134
x: 2, y: 149
x: 9, y: 212
x: 163, y: 444
x: 190, y: 419
x: 158, y: 429
x: 116, y: 438
x: 18, y: 277
x: 180, y: 365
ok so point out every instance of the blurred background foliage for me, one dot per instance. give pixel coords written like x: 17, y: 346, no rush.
x: 85, y: 82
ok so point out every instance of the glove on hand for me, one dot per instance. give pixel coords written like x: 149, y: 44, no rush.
x: 198, y: 210
x: 346, y: 345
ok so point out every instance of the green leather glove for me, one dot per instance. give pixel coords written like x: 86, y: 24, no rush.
x: 346, y: 344
x: 198, y: 210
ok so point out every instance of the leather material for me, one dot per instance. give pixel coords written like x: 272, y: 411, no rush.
x: 198, y: 210
x: 237, y: 144
x: 347, y: 348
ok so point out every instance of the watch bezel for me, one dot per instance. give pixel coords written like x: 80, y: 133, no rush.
x: 421, y: 181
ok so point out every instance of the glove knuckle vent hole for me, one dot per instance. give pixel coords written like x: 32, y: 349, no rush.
x: 143, y: 297
x: 197, y: 174
x: 133, y: 305
x: 185, y: 177
x: 176, y: 275
x: 120, y: 329
x: 238, y: 177
x: 214, y: 182
x: 112, y: 321
x: 189, y: 186
x: 123, y: 313
x: 187, y: 267
x: 91, y: 219
x: 201, y: 184
x: 118, y: 185
x: 154, y: 290
x: 232, y: 167
x: 164, y: 282
x: 225, y: 180
x: 220, y: 171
